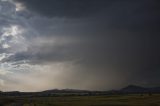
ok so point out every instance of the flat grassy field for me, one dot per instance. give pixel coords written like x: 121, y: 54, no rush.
x: 110, y: 100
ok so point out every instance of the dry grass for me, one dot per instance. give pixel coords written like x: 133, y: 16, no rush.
x: 110, y: 100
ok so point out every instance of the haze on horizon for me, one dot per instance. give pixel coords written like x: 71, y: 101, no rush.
x: 79, y: 44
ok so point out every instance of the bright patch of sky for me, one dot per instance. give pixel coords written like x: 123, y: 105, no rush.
x: 12, y: 39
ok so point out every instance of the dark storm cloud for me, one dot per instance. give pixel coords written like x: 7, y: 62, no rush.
x: 129, y: 27
x: 69, y: 8
x: 127, y: 15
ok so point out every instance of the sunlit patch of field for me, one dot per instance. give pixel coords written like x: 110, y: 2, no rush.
x: 110, y: 100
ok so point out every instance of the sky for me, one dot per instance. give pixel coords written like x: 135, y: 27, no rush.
x: 79, y: 44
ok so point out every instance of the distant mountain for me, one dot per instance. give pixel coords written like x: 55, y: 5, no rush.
x: 64, y: 91
x: 138, y: 89
x: 56, y: 92
x: 133, y: 89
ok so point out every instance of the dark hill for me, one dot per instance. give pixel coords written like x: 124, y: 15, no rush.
x: 134, y: 89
